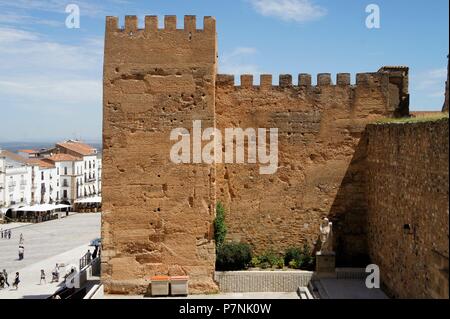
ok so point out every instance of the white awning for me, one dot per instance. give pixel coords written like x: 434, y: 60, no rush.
x: 40, y: 208
x: 60, y: 206
x: 95, y: 199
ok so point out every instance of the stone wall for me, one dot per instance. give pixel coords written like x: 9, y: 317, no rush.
x: 321, y: 160
x: 157, y: 215
x: 408, y: 219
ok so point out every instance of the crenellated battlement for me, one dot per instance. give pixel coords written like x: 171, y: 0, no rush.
x: 159, y: 79
x: 303, y: 80
x: 151, y: 24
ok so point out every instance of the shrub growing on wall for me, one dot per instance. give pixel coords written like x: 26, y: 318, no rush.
x: 220, y: 228
x: 233, y: 256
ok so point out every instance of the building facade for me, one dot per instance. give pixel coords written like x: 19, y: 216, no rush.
x: 64, y: 174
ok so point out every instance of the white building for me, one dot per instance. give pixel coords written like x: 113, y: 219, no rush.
x: 15, y: 180
x: 69, y: 173
x: 89, y: 184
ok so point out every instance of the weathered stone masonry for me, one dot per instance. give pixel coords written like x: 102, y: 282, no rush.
x: 408, y: 207
x: 157, y: 216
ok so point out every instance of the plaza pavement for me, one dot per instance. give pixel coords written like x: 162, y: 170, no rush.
x: 58, y: 241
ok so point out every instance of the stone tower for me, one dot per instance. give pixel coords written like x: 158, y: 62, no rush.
x: 157, y: 216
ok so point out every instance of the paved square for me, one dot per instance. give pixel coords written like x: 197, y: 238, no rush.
x: 45, y: 244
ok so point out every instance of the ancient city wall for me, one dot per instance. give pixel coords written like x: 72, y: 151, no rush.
x: 156, y: 214
x: 321, y: 160
x: 407, y: 187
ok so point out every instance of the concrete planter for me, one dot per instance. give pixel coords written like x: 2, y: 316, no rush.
x: 159, y: 286
x: 179, y: 286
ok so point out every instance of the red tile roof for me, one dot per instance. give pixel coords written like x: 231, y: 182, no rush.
x: 77, y: 147
x: 63, y: 158
x: 14, y: 156
x: 41, y: 163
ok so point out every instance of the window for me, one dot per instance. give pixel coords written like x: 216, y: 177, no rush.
x: 65, y: 170
x: 65, y: 194
x: 65, y: 183
x: 57, y: 171
x: 42, y: 176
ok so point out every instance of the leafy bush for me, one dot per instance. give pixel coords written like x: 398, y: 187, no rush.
x: 255, y: 262
x: 233, y: 256
x: 293, y: 264
x: 268, y: 260
x: 220, y: 228
x: 291, y: 254
x: 297, y: 258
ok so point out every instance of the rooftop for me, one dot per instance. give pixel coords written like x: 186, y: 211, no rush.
x: 41, y: 163
x: 63, y: 158
x: 13, y: 156
x: 78, y: 147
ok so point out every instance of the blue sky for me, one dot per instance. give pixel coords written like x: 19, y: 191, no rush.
x: 50, y: 76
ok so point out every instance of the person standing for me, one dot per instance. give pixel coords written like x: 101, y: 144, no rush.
x: 42, y: 277
x: 88, y: 256
x: 21, y: 252
x: 21, y: 240
x: 9, y: 234
x: 16, y: 281
x: 94, y: 254
x: 5, y: 276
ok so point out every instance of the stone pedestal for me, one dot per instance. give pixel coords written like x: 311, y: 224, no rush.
x: 326, y: 264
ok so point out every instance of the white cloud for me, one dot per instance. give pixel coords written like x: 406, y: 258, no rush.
x: 21, y: 19
x: 30, y: 51
x: 8, y: 35
x: 239, y: 61
x: 42, y: 80
x: 57, y: 6
x: 289, y: 10
x: 431, y: 82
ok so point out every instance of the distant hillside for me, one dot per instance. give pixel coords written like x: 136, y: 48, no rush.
x: 15, y: 146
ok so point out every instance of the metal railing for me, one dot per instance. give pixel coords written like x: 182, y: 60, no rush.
x: 85, y: 260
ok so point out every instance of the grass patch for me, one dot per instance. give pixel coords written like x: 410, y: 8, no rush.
x: 418, y: 119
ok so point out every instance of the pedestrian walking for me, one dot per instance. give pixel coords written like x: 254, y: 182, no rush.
x: 21, y: 240
x: 89, y: 256
x: 5, y: 276
x: 21, y: 252
x: 16, y: 281
x: 1, y: 231
x: 9, y: 234
x: 42, y: 277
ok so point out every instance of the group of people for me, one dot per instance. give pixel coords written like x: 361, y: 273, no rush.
x: 4, y: 280
x: 5, y: 234
x: 55, y: 275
